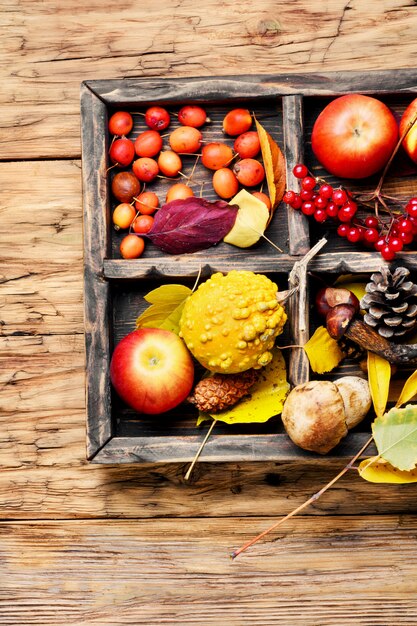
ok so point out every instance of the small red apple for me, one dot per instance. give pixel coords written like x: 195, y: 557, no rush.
x: 410, y: 140
x: 152, y: 370
x: 354, y: 136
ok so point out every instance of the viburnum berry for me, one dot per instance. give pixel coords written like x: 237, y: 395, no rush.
x: 332, y: 209
x: 395, y: 244
x: 305, y: 194
x: 379, y: 244
x: 371, y: 221
x: 406, y: 238
x: 371, y: 235
x: 308, y: 183
x: 405, y: 226
x: 320, y: 215
x: 308, y: 207
x: 326, y: 190
x: 288, y: 196
x: 411, y: 209
x: 342, y: 230
x: 387, y: 253
x: 297, y: 202
x: 354, y: 234
x: 320, y: 202
x: 300, y: 170
x: 339, y: 197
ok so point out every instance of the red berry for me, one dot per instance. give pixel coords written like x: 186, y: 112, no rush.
x: 379, y: 244
x: 288, y: 196
x: 339, y: 197
x: 332, y: 209
x: 354, y: 234
x: 320, y: 215
x: 387, y: 253
x: 247, y: 145
x: 308, y: 183
x: 395, y: 244
x: 320, y: 202
x: 342, y: 230
x: 157, y: 118
x: 326, y: 190
x: 308, y: 207
x: 305, y: 194
x: 371, y: 221
x: 300, y: 170
x: 148, y: 143
x: 297, y: 202
x: 406, y: 238
x: 411, y: 209
x: 405, y: 226
x: 120, y: 123
x: 122, y: 152
x: 192, y: 115
x: 371, y: 235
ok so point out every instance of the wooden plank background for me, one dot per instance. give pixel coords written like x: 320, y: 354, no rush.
x: 82, y: 544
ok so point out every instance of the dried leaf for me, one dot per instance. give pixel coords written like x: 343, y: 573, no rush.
x: 274, y: 163
x: 395, y: 436
x: 251, y: 220
x: 377, y: 470
x: 265, y: 400
x: 193, y: 224
x: 379, y: 377
x: 167, y: 303
x: 409, y: 390
x: 323, y: 351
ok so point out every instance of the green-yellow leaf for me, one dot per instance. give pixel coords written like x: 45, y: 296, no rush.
x: 266, y: 397
x: 379, y: 377
x: 251, y: 220
x: 323, y: 351
x: 377, y: 470
x: 167, y: 303
x: 409, y: 390
x: 395, y: 436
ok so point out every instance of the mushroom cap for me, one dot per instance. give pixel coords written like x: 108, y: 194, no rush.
x: 314, y: 416
x: 356, y: 397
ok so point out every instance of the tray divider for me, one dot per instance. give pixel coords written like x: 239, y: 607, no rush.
x: 298, y: 229
x: 97, y: 305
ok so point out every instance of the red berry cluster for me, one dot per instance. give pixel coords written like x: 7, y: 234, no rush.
x: 322, y: 201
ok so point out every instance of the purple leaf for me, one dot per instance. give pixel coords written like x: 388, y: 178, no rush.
x: 183, y: 226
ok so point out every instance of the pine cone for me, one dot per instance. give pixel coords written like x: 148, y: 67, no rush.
x: 221, y: 391
x: 390, y: 302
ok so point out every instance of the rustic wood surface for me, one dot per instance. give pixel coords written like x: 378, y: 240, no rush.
x: 85, y: 544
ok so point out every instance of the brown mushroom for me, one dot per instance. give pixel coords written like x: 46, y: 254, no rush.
x: 318, y: 414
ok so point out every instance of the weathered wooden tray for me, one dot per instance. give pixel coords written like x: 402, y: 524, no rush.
x: 114, y: 288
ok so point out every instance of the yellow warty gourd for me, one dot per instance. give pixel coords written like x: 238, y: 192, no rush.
x: 230, y: 322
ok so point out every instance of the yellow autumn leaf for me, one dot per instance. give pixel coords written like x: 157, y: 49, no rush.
x: 409, y: 390
x: 323, y: 351
x: 251, y: 220
x: 274, y: 163
x: 377, y: 470
x: 379, y: 377
x: 167, y: 303
x: 265, y: 399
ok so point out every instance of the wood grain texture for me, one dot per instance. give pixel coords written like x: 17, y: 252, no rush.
x: 48, y: 51
x: 144, y: 573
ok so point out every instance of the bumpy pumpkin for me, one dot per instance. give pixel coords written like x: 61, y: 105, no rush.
x: 231, y: 321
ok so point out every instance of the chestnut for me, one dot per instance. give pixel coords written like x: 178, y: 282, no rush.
x: 338, y: 319
x: 329, y: 297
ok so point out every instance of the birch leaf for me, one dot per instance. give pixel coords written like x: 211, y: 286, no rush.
x: 274, y: 164
x: 265, y: 399
x: 395, y: 436
x: 379, y: 376
x: 251, y: 220
x: 323, y: 351
x: 167, y: 303
x: 409, y: 390
x: 377, y: 470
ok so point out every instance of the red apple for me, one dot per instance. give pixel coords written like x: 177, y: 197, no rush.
x: 152, y: 370
x: 354, y: 136
x: 410, y: 140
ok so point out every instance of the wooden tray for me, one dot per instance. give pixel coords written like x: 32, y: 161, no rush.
x: 114, y: 288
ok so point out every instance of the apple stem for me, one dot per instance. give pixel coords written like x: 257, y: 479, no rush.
x: 299, y: 508
x: 199, y: 451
